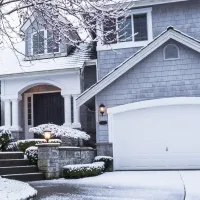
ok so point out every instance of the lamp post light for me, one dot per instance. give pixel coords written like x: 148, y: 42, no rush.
x: 47, y: 135
x: 102, y: 109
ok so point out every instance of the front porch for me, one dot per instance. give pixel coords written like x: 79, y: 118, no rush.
x: 38, y: 102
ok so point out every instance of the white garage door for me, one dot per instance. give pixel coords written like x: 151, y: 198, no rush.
x: 159, y: 134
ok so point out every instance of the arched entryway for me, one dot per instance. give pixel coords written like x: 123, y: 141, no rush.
x: 42, y: 104
x: 38, y: 102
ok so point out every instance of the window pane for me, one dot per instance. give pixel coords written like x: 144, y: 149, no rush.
x: 52, y: 42
x: 38, y: 43
x: 109, y: 31
x: 29, y: 111
x: 125, y: 29
x: 140, y: 27
x: 171, y: 52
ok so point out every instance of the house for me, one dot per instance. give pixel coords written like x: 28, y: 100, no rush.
x: 148, y: 79
x: 41, y: 80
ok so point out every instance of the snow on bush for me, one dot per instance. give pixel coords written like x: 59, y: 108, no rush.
x: 5, y: 137
x: 60, y: 131
x: 83, y: 170
x: 15, y: 190
x: 24, y: 144
x: 99, y: 158
x: 107, y: 160
x: 12, y: 146
x: 32, y: 154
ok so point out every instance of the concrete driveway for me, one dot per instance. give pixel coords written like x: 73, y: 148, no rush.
x: 141, y: 185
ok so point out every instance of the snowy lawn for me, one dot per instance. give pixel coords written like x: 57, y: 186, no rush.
x: 15, y: 190
x: 146, y: 185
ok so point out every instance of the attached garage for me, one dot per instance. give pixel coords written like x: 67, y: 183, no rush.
x: 156, y: 134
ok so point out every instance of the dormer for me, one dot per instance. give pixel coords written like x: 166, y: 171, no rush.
x: 133, y: 30
x: 43, y: 42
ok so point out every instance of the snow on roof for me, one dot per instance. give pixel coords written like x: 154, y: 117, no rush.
x: 12, y: 62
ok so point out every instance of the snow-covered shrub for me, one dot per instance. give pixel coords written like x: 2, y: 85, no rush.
x: 107, y: 160
x: 5, y: 137
x: 32, y: 154
x: 24, y: 144
x: 83, y: 170
x: 60, y: 131
x: 12, y: 146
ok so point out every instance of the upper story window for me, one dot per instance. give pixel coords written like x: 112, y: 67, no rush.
x: 171, y: 52
x: 44, y: 41
x: 135, y: 30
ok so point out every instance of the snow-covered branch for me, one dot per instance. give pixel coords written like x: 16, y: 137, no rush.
x: 66, y: 18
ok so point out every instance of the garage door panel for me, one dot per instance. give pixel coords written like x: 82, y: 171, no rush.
x: 164, y: 137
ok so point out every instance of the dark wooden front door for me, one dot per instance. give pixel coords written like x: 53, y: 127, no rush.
x: 48, y: 108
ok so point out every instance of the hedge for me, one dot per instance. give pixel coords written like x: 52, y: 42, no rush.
x: 24, y: 144
x: 107, y: 160
x: 83, y: 170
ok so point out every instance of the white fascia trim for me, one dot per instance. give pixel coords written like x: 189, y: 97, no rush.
x: 154, y: 103
x: 123, y: 45
x: 40, y: 73
x: 28, y: 23
x: 170, y: 34
x: 155, y: 2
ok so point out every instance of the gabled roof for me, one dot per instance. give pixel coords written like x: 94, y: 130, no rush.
x: 170, y: 33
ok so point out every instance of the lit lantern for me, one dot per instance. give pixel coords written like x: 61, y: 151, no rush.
x: 102, y: 109
x: 47, y: 134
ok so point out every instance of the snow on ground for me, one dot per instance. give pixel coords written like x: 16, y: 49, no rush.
x: 15, y: 190
x: 191, y: 180
x: 142, y: 179
x: 146, y: 185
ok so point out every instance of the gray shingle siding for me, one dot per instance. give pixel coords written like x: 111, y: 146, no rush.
x: 153, y: 78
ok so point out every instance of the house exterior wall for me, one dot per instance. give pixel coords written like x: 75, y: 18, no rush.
x: 88, y: 122
x: 184, y: 16
x: 153, y: 78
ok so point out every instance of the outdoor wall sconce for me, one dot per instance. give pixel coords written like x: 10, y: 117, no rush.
x: 102, y: 109
x: 47, y: 135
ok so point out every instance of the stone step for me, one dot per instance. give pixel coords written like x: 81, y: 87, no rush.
x: 18, y: 169
x: 14, y: 162
x: 26, y: 176
x: 12, y: 155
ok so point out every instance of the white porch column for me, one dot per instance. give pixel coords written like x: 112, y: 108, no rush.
x: 7, y: 113
x: 67, y: 105
x: 76, y: 112
x: 15, y: 114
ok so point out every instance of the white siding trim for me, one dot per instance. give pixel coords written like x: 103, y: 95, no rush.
x: 154, y: 103
x: 129, y: 44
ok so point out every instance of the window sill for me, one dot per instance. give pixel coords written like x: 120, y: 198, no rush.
x: 122, y: 45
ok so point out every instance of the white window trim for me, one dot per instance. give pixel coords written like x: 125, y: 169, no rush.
x: 171, y: 58
x: 45, y: 43
x: 128, y: 44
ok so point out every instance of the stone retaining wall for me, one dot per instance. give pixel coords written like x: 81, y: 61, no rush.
x: 52, y: 157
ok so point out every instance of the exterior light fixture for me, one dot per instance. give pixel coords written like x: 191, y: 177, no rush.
x: 102, y: 109
x: 47, y: 134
